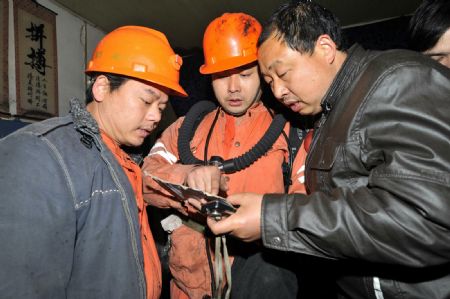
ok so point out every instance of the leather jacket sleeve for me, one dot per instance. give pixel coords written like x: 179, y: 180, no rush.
x: 37, y: 220
x: 385, y: 196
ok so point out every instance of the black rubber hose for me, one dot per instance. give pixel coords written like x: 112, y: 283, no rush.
x: 194, y: 116
x: 263, y: 145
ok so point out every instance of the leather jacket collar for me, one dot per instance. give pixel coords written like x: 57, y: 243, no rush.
x: 344, y: 77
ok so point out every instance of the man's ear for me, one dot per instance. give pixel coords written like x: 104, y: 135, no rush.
x: 100, y: 88
x: 326, y: 47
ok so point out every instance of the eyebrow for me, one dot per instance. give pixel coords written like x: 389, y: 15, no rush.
x: 152, y: 92
x: 270, y: 67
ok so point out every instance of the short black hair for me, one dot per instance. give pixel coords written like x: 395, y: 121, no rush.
x: 300, y: 23
x: 115, y: 81
x: 429, y: 22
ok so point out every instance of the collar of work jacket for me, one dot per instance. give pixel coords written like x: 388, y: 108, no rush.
x: 88, y: 127
x: 83, y: 120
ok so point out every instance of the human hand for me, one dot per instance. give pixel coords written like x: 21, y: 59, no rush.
x: 163, y: 201
x: 207, y: 178
x: 245, y: 223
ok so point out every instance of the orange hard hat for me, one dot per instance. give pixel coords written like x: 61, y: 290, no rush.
x: 229, y: 42
x: 141, y: 53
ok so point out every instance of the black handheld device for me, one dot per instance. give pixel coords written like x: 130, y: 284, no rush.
x: 217, y: 208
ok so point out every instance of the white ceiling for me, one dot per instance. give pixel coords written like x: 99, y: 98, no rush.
x: 183, y: 21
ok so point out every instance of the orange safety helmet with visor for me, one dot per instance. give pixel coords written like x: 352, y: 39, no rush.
x: 138, y: 52
x: 230, y: 42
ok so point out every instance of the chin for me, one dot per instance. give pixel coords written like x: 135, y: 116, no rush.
x: 135, y: 143
x: 235, y: 112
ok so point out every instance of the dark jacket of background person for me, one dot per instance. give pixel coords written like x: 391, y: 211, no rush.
x: 63, y: 176
x: 381, y: 156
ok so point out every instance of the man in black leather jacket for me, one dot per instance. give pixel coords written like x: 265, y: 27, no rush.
x: 378, y: 169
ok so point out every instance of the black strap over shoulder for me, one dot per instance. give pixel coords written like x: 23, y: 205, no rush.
x: 295, y: 139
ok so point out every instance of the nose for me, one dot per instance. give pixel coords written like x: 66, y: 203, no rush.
x: 153, y: 114
x: 234, y: 83
x: 278, y: 89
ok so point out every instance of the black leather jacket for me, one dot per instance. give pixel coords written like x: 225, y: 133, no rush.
x: 378, y: 177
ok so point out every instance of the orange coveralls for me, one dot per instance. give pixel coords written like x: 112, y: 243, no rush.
x: 187, y: 256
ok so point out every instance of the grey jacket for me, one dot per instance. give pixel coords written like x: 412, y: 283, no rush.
x: 68, y: 215
x: 378, y: 174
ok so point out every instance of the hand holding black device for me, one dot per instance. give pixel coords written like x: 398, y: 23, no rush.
x: 215, y: 206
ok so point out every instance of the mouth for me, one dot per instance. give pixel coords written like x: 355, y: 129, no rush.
x: 144, y: 132
x: 294, y: 105
x: 234, y: 102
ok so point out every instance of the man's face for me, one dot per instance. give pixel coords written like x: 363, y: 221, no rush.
x: 441, y: 51
x: 131, y: 112
x: 237, y: 89
x: 299, y: 81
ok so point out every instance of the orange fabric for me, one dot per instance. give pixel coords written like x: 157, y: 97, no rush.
x: 229, y: 133
x: 176, y: 292
x: 187, y: 257
x: 189, y: 265
x: 152, y: 266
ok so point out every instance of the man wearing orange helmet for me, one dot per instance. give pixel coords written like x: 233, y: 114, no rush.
x: 73, y: 220
x: 236, y: 147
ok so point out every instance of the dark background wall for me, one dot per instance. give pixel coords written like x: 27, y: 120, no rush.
x: 389, y: 34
